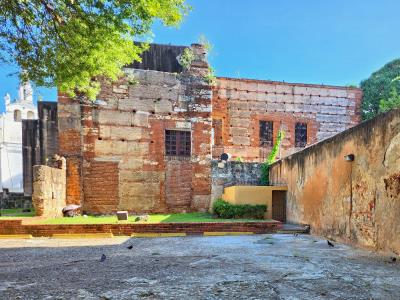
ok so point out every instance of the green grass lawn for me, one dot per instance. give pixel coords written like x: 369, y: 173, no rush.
x: 156, y: 218
x: 15, y: 213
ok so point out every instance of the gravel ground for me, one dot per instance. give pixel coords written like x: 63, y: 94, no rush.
x: 239, y: 267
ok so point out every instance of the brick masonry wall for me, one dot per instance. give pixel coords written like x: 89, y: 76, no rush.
x: 357, y: 202
x: 116, y: 153
x: 16, y: 227
x: 239, y: 105
x: 70, y: 145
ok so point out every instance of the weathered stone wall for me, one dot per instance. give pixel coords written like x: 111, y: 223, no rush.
x: 48, y: 196
x: 116, y: 152
x: 239, y: 105
x: 232, y: 173
x: 357, y: 202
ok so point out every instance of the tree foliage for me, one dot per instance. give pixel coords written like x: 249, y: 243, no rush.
x: 72, y: 43
x: 380, y: 87
x: 392, y: 102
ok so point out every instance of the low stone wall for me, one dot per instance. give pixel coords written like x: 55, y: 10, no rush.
x: 232, y: 173
x: 15, y: 200
x: 16, y: 227
x: 358, y: 201
x: 49, y: 188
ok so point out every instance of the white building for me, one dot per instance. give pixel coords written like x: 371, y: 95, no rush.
x: 11, y: 137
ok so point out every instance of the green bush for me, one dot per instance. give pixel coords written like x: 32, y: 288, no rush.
x: 226, y: 210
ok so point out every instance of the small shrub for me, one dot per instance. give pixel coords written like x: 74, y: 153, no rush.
x: 227, y: 210
x: 186, y: 58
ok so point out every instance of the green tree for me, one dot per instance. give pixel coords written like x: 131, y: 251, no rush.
x: 392, y: 102
x: 379, y: 87
x: 71, y: 44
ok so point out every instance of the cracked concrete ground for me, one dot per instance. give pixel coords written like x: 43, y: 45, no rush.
x: 239, y: 267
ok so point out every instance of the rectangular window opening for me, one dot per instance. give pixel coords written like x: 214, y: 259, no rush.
x: 266, y: 133
x: 300, y: 133
x: 177, y: 143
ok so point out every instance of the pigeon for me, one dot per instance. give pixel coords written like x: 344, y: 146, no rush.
x: 103, y: 257
x: 130, y: 247
x: 330, y: 244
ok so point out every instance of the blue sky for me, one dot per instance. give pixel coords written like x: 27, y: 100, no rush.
x: 335, y: 42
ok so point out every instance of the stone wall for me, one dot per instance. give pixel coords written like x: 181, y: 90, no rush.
x: 48, y: 191
x: 357, y: 202
x: 232, y: 173
x: 239, y: 105
x: 116, y: 152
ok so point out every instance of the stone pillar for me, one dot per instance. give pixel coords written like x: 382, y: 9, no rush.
x: 49, y: 190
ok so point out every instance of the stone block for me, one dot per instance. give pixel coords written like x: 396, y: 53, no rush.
x: 115, y: 117
x: 141, y: 176
x: 238, y: 131
x: 140, y: 119
x: 137, y: 104
x: 337, y: 93
x: 163, y: 106
x: 122, y: 215
x: 241, y: 140
x: 237, y: 122
x: 284, y: 88
x: 127, y: 133
x: 130, y: 163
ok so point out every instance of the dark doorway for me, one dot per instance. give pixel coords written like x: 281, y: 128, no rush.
x: 279, y: 205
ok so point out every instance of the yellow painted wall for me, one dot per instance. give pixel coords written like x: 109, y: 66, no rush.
x: 252, y: 195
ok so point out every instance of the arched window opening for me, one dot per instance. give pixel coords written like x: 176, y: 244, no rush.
x: 17, y: 115
x: 30, y: 115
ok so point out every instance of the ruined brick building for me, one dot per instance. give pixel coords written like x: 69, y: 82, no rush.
x: 147, y: 144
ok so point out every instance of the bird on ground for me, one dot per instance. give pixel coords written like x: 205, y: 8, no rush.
x: 393, y: 259
x: 330, y: 244
x: 295, y: 234
x: 103, y: 257
x: 130, y: 247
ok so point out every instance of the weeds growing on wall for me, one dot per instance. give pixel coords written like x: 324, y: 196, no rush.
x: 186, y: 58
x: 271, y: 158
x: 210, y: 78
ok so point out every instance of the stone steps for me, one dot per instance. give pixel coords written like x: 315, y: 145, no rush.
x: 294, y: 229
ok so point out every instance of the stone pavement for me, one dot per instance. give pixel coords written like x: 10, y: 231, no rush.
x: 236, y: 267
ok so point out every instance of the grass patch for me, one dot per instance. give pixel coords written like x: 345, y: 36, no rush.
x: 15, y: 213
x: 156, y: 218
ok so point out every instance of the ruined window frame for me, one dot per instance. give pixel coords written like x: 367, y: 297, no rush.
x: 300, y: 134
x: 266, y: 135
x: 178, y: 143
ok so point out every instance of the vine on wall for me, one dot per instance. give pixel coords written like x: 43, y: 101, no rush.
x: 271, y: 158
